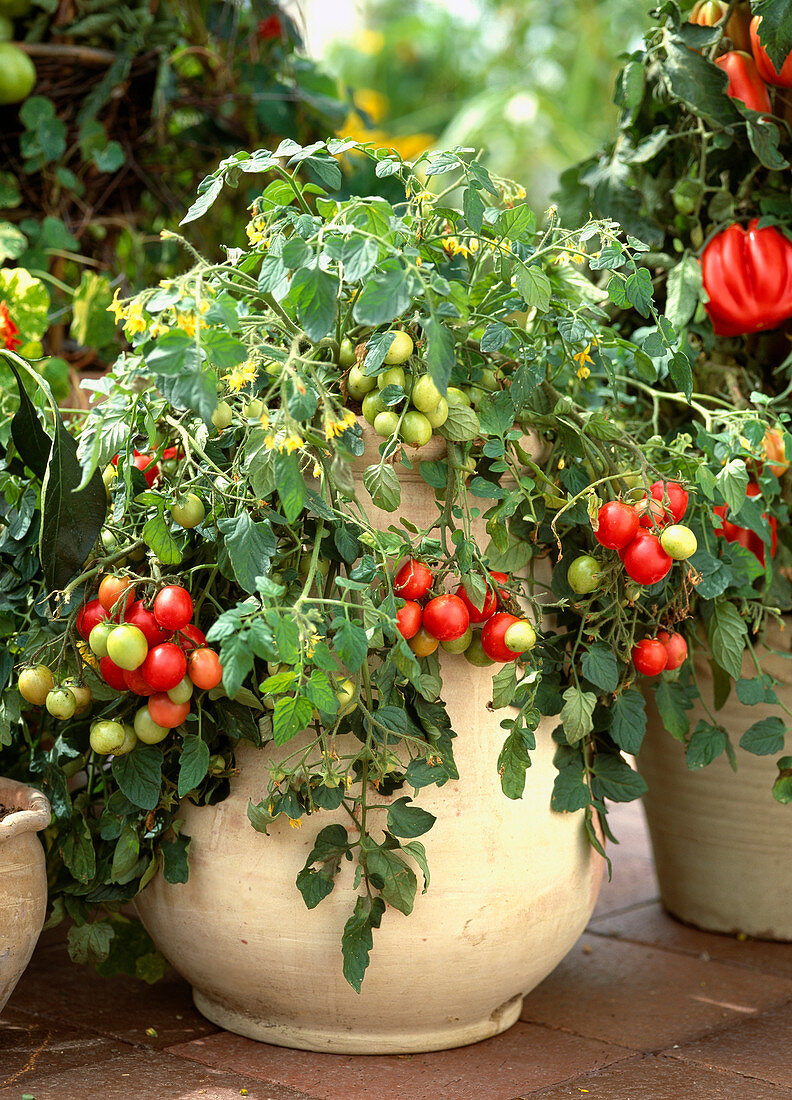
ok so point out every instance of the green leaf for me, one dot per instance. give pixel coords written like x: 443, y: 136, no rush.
x: 27, y: 300
x: 315, y: 293
x: 125, y: 855
x: 600, y: 668
x: 357, y: 255
x: 705, y: 744
x: 77, y: 850
x: 764, y: 738
x: 534, y: 286
x: 208, y: 190
x: 440, y: 354
x: 504, y: 682
x: 13, y: 242
x: 175, y: 354
x: 291, y: 715
x: 357, y: 939
x: 764, y: 136
x: 290, y: 484
x: 628, y: 720
x: 314, y: 885
x: 638, y: 291
x: 30, y: 439
x: 732, y: 480
x: 175, y: 866
x: 462, y: 424
x: 782, y: 787
x: 681, y: 373
x: 250, y: 544
x: 775, y: 29
x: 224, y: 351
x: 89, y: 944
x: 408, y: 821
x: 418, y: 852
x: 699, y: 84
x: 613, y: 778
x: 92, y: 325
x: 193, y: 763
x: 351, y: 644
x: 399, y: 884
x: 518, y: 221
x: 514, y: 760
x: 139, y: 775
x: 728, y: 634
x: 577, y: 714
x: 758, y: 690
x: 386, y: 295
x: 320, y: 691
x: 570, y: 790
x: 671, y: 704
x: 684, y: 290
x: 383, y: 485
x: 157, y: 536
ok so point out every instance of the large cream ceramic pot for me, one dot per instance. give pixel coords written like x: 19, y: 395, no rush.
x: 722, y: 844
x: 513, y: 885
x: 23, y: 881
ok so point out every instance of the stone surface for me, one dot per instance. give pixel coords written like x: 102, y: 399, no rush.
x: 32, y: 1046
x: 633, y: 881
x: 521, y: 1060
x: 757, y: 1048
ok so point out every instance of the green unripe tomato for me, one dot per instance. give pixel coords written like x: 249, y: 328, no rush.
x: 188, y: 511
x: 520, y: 636
x: 400, y: 350
x: 182, y: 692
x: 425, y: 394
x: 15, y: 9
x: 679, y: 542
x: 346, y: 353
x: 685, y: 196
x: 17, y: 73
x: 81, y: 693
x: 6, y: 29
x: 475, y: 655
x: 254, y: 408
x: 392, y: 377
x: 35, y: 684
x: 456, y: 396
x: 477, y: 395
x: 97, y: 639
x: 488, y: 380
x: 459, y: 645
x: 372, y: 406
x: 129, y: 742
x: 60, y: 702
x: 345, y: 694
x: 217, y: 764
x: 359, y: 384
x: 416, y: 429
x: 386, y: 423
x: 126, y: 646
x: 584, y: 574
x: 106, y: 736
x: 222, y: 416
x: 169, y: 466
x: 438, y: 416
x: 147, y: 729
x: 109, y: 541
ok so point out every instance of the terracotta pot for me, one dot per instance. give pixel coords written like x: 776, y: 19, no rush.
x: 722, y: 844
x: 513, y: 886
x: 23, y: 880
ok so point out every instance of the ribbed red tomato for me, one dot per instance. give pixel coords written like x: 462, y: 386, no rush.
x: 747, y: 275
x: 676, y: 649
x: 767, y: 69
x: 493, y: 634
x: 745, y: 81
x: 617, y: 524
x: 645, y: 560
x: 164, y: 667
x: 408, y: 619
x: 650, y: 657
x: 446, y: 618
x: 413, y: 580
x: 732, y: 532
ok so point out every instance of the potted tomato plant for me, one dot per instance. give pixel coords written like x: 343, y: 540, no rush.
x: 699, y: 173
x: 354, y: 572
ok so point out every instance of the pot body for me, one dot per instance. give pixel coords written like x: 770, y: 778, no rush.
x: 722, y: 844
x: 513, y: 885
x: 23, y: 880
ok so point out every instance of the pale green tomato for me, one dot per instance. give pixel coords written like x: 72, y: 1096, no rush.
x: 386, y: 423
x: 127, y: 646
x: 425, y: 394
x: 488, y: 380
x: 182, y: 692
x: 392, y: 377
x: 400, y: 350
x: 129, y: 742
x: 109, y: 541
x: 188, y: 511
x: 475, y: 654
x: 438, y: 416
x: 416, y: 429
x: 222, y: 416
x: 359, y: 384
x: 217, y: 764
x: 520, y: 636
x: 345, y: 694
x: 456, y: 396
x: 459, y: 645
x: 17, y: 72
x: 81, y: 693
x: 372, y: 406
x: 254, y: 408
x: 477, y: 395
x: 584, y: 574
x: 346, y: 353
x: 169, y: 466
x: 60, y: 702
x: 106, y: 736
x: 35, y: 684
x: 147, y: 729
x: 97, y: 639
x: 679, y: 542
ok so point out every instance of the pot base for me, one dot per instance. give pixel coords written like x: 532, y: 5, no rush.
x: 331, y: 1040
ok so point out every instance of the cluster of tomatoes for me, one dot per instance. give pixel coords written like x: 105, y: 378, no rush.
x: 448, y: 620
x: 663, y: 653
x: 158, y: 654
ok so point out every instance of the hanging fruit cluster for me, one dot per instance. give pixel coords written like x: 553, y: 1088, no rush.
x: 452, y: 620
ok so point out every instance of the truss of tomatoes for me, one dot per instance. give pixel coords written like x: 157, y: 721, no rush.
x: 448, y: 620
x: 159, y: 654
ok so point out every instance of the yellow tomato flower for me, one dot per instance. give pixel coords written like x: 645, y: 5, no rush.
x: 335, y: 427
x: 136, y: 321
x: 239, y: 376
x: 116, y: 307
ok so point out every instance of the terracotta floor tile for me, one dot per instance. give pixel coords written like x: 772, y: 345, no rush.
x: 651, y: 925
x: 523, y: 1059
x: 30, y: 1046
x: 633, y: 880
x: 55, y: 988
x: 757, y: 1048
x: 652, y: 1078
x: 158, y: 1076
x: 647, y: 999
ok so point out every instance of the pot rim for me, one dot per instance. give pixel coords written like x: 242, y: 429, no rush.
x: 31, y: 810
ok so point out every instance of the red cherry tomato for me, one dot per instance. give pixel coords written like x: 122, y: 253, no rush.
x: 112, y: 674
x: 446, y: 618
x: 111, y: 593
x: 617, y: 524
x: 677, y: 497
x: 493, y: 634
x: 413, y: 580
x: 676, y: 649
x: 189, y: 638
x: 173, y: 607
x: 172, y: 454
x: 164, y: 667
x: 165, y: 712
x: 145, y: 621
x: 651, y: 513
x: 204, y: 668
x: 136, y: 681
x: 645, y: 560
x: 480, y: 614
x: 146, y: 465
x: 408, y: 619
x: 650, y: 657
x: 732, y: 532
x: 88, y: 617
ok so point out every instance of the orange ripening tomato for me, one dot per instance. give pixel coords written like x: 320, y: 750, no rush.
x: 747, y: 275
x: 774, y: 451
x: 745, y: 83
x: 767, y: 69
x: 708, y: 13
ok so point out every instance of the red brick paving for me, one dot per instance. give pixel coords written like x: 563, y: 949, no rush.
x: 643, y: 1008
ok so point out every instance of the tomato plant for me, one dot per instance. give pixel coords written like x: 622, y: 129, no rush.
x: 173, y: 607
x: 617, y: 524
x: 204, y: 668
x: 445, y: 618
x: 408, y: 619
x: 164, y: 667
x: 413, y: 580
x: 650, y: 657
